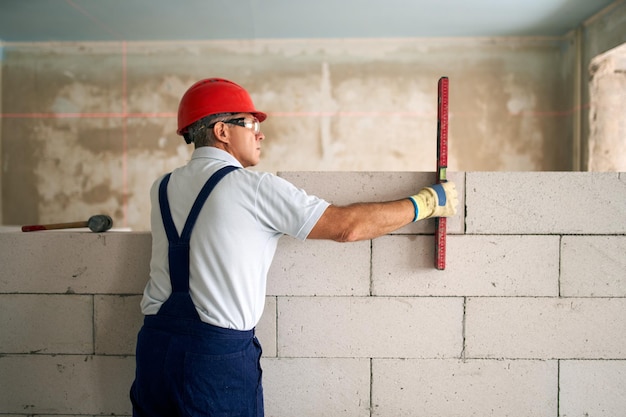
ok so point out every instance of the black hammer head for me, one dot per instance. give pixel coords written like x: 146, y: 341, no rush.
x: 100, y: 223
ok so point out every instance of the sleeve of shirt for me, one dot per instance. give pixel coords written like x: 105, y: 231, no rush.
x: 285, y: 208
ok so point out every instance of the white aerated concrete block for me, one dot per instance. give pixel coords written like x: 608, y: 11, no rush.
x: 33, y: 323
x: 545, y: 328
x: 475, y: 265
x: 66, y: 384
x: 312, y: 387
x: 592, y: 388
x: 593, y: 266
x: 370, y: 327
x: 438, y: 388
x: 343, y: 188
x: 318, y: 267
x: 117, y: 321
x: 71, y: 262
x: 545, y: 203
x: 266, y: 329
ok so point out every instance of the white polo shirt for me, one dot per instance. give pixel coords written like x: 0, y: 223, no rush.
x: 234, y: 240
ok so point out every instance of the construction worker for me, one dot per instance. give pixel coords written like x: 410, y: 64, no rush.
x: 215, y: 228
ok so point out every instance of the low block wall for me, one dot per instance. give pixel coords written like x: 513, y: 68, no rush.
x: 526, y: 320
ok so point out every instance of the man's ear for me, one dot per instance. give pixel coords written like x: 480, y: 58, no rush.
x: 221, y: 132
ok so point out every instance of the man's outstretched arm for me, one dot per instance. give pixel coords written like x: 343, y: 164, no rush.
x: 362, y: 221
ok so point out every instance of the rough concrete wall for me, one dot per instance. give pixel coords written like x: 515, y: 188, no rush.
x: 607, y: 137
x: 527, y: 320
x: 87, y: 127
x: 603, y: 32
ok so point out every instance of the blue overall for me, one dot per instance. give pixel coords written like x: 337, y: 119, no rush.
x: 186, y: 367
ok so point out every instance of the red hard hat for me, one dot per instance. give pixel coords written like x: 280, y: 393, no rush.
x: 213, y: 96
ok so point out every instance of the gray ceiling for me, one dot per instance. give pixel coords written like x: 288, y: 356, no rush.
x: 150, y: 20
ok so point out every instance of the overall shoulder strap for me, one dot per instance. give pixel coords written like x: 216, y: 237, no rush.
x: 202, y: 197
x: 166, y: 214
x: 178, y: 249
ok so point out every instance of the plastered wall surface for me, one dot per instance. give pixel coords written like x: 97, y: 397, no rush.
x: 88, y: 127
x: 526, y: 320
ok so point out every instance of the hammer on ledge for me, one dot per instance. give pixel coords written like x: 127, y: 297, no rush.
x: 98, y: 223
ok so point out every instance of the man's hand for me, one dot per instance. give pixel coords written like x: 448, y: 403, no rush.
x: 439, y: 200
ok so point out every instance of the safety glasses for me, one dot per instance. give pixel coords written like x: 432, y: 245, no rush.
x: 252, y: 124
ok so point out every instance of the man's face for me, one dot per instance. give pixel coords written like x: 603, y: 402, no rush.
x: 245, y: 142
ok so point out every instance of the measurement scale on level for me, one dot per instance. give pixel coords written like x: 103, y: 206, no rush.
x: 442, y: 165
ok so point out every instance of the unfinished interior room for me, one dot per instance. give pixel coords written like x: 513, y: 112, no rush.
x: 522, y: 317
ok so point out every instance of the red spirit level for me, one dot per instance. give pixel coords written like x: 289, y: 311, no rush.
x: 442, y: 165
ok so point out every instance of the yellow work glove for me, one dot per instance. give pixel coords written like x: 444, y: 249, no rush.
x: 439, y: 200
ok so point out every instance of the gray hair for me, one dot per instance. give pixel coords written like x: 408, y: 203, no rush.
x: 201, y: 131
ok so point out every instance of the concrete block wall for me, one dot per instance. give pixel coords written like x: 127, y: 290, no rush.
x: 526, y: 320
